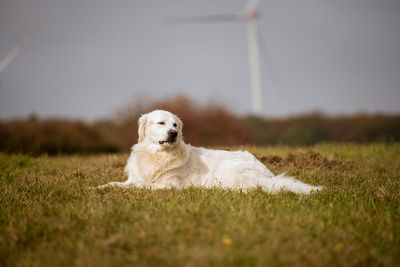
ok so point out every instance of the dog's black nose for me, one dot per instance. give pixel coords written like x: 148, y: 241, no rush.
x: 172, y: 133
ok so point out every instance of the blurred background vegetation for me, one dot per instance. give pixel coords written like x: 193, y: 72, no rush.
x: 205, y: 125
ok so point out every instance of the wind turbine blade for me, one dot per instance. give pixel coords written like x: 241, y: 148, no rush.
x: 251, y: 5
x: 217, y: 18
x: 12, y: 55
x: 269, y: 63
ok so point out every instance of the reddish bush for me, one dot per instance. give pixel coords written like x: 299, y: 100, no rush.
x: 52, y: 137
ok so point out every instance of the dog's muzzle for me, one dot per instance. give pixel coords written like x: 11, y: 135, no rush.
x: 172, y: 137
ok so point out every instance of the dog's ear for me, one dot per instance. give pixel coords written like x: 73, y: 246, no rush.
x: 142, y: 127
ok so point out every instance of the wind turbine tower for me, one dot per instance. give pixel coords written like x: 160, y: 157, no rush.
x: 254, y: 57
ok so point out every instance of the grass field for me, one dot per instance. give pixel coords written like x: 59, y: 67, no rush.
x: 49, y: 216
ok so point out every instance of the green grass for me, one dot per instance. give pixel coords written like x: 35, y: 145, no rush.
x: 49, y: 217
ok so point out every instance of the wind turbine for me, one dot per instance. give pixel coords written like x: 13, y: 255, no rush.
x: 250, y: 15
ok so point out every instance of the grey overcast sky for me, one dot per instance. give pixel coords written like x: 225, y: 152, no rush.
x: 88, y: 57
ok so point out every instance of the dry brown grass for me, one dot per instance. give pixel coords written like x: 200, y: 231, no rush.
x: 49, y: 216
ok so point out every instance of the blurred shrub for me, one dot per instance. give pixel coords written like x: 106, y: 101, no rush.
x: 309, y: 129
x: 52, y: 136
x: 208, y: 125
x: 203, y: 125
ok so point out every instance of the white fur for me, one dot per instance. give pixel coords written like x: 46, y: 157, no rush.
x: 164, y: 165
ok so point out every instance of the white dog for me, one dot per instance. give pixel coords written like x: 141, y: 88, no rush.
x: 161, y: 159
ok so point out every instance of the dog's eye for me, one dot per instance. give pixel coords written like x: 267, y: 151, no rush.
x: 161, y: 122
x: 174, y: 124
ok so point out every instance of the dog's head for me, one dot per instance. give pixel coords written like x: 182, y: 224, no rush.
x: 160, y: 128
